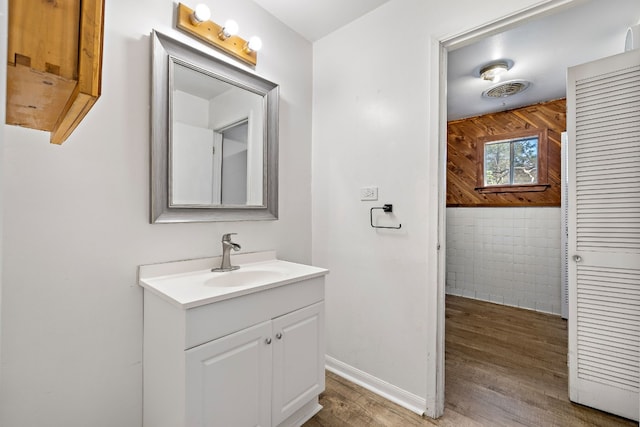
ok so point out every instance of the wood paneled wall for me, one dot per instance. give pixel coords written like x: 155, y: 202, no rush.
x: 462, y: 162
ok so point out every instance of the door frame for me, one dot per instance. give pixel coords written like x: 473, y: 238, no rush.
x: 439, y: 48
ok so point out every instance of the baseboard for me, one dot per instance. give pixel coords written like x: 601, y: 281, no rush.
x: 382, y: 388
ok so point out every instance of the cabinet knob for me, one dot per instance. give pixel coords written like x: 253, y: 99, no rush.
x: 279, y: 335
x: 268, y: 340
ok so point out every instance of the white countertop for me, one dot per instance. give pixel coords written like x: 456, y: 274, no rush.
x: 191, y: 283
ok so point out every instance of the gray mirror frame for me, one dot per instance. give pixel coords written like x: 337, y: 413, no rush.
x: 164, y: 50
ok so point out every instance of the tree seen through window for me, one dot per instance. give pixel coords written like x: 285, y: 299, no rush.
x: 511, y: 162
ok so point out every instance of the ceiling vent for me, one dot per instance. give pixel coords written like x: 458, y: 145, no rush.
x: 505, y: 89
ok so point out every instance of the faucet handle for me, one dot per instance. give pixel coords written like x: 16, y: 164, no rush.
x: 227, y: 237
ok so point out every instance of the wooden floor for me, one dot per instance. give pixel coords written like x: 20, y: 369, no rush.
x: 504, y: 367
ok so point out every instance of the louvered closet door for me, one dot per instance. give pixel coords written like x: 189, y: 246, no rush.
x: 603, y: 106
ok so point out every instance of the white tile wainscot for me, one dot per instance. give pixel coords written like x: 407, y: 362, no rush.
x: 215, y: 344
x: 505, y: 255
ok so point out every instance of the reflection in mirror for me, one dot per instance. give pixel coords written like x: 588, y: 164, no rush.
x: 214, y: 138
x: 235, y: 152
x: 216, y: 143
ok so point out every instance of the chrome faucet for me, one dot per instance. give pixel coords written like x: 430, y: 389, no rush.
x: 227, y: 245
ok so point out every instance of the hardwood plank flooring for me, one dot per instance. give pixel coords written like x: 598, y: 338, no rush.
x: 505, y: 366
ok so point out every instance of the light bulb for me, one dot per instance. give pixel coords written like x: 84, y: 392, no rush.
x: 254, y: 44
x: 200, y: 14
x: 493, y: 71
x: 230, y: 29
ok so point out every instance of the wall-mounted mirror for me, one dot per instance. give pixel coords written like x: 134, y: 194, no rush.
x: 214, y: 138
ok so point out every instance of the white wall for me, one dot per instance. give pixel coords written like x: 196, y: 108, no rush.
x: 190, y: 109
x: 76, y: 221
x: 192, y: 168
x: 373, y: 101
x: 193, y: 177
x: 508, y: 256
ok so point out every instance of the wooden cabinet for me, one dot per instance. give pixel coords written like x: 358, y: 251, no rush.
x: 54, y: 63
x: 253, y: 360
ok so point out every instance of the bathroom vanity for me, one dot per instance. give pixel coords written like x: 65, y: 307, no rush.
x: 239, y: 348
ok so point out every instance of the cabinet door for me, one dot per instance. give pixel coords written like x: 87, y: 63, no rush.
x: 298, y: 360
x: 228, y: 380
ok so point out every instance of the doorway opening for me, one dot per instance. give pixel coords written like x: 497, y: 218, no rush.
x: 233, y: 163
x: 444, y: 47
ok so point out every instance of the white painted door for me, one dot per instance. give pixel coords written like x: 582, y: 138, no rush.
x: 298, y: 360
x: 195, y: 165
x: 228, y: 380
x: 603, y: 106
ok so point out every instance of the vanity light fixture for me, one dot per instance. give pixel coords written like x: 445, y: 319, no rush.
x: 200, y: 14
x: 493, y: 70
x: 230, y: 29
x: 196, y: 23
x: 253, y: 45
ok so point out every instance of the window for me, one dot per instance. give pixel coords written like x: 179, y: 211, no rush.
x: 513, y: 162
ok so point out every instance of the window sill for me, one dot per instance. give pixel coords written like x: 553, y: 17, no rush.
x: 512, y: 188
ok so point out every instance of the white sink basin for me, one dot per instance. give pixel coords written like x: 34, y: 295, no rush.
x: 247, y: 277
x: 191, y: 283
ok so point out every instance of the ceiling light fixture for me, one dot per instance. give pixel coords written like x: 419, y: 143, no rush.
x: 196, y: 23
x: 632, y: 38
x: 493, y: 70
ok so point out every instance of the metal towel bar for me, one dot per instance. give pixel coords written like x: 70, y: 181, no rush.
x: 387, y: 208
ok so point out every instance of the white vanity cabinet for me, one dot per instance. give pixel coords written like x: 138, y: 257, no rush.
x: 259, y: 376
x: 228, y: 380
x: 250, y: 358
x: 298, y: 361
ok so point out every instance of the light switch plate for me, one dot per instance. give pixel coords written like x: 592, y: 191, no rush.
x: 369, y: 193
